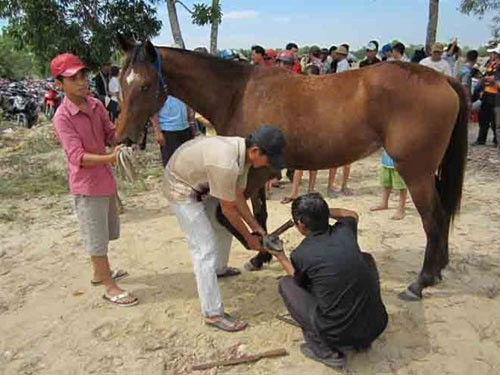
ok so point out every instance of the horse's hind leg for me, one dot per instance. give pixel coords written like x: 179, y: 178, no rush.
x: 428, y: 204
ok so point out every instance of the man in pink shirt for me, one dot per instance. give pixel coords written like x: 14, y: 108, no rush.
x: 84, y: 130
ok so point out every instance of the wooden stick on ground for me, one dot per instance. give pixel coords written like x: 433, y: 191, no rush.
x: 240, y: 360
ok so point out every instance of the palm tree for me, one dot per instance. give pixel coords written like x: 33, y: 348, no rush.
x: 174, y: 23
x: 432, y: 24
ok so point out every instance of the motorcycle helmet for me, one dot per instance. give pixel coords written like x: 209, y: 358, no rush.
x: 288, y: 57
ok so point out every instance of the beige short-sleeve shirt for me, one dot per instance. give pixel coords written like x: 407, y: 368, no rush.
x: 207, y: 164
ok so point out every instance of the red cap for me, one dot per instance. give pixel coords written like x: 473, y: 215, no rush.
x: 271, y: 53
x: 66, y: 65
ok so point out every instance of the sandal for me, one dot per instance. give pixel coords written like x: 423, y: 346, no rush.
x: 249, y: 266
x: 230, y: 271
x: 117, y: 300
x: 228, y: 323
x: 287, y: 200
x: 115, y: 275
x: 335, y: 360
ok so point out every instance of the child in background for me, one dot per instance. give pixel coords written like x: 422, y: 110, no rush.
x: 390, y: 179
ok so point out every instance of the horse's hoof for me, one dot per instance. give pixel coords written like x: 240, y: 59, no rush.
x: 409, y: 294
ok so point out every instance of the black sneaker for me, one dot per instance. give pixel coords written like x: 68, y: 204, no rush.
x: 335, y: 360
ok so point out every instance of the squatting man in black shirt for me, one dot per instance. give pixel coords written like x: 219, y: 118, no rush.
x: 332, y: 290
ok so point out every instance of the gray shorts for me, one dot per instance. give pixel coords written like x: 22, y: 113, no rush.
x: 99, y: 222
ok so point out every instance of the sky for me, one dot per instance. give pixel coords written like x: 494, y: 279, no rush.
x: 274, y: 23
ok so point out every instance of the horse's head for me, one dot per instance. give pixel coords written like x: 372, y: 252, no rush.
x: 143, y: 90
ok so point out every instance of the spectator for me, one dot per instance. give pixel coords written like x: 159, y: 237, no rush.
x: 398, y: 53
x: 286, y: 59
x: 258, y: 54
x: 101, y: 80
x: 297, y: 175
x: 341, y: 58
x: 452, y: 57
x: 418, y: 55
x: 387, y: 52
x: 466, y: 73
x: 489, y: 99
x: 270, y: 57
x: 435, y: 61
x: 371, y: 55
x: 114, y: 94
x: 312, y: 58
x: 332, y: 63
x: 342, y: 66
x: 295, y: 49
x: 390, y: 179
x: 173, y: 126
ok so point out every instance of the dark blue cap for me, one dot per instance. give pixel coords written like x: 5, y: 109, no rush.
x: 272, y: 142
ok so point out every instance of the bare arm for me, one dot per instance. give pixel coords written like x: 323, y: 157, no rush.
x: 246, y: 214
x: 90, y: 160
x: 160, y: 139
x: 230, y: 210
x: 337, y: 213
x: 192, y: 121
x: 285, y: 263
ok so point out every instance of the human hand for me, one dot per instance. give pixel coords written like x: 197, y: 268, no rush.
x: 254, y: 242
x: 114, y: 154
x: 159, y: 138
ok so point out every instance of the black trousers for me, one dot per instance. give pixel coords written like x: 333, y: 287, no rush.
x: 301, y: 304
x: 173, y: 140
x: 487, y: 119
x: 113, y: 110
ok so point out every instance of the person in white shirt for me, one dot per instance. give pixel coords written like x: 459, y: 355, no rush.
x: 114, y: 93
x: 436, y: 61
x: 332, y: 191
x: 341, y: 57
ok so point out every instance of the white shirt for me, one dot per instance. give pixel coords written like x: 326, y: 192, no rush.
x: 342, y: 66
x: 440, y: 66
x: 114, y: 88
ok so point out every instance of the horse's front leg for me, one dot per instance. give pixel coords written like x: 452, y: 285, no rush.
x: 259, y: 207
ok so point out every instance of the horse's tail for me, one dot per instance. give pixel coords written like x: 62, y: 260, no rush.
x: 451, y: 171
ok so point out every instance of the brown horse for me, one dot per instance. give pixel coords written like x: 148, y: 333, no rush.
x: 418, y: 115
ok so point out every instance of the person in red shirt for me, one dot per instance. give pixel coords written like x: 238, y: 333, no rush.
x: 84, y: 130
x: 295, y: 49
x: 270, y: 57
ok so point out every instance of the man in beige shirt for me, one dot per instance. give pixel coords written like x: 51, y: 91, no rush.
x: 203, y: 173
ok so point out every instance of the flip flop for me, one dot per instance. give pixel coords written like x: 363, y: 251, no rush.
x: 115, y: 275
x: 287, y: 200
x: 116, y: 299
x: 336, y: 360
x: 287, y: 318
x: 230, y: 271
x: 228, y: 323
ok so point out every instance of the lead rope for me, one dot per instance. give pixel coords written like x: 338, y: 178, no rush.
x: 125, y: 163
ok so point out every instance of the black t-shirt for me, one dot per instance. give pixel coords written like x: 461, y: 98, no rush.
x: 367, y: 62
x: 330, y: 265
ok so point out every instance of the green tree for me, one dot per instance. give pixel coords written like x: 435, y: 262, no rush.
x: 484, y: 7
x: 87, y: 28
x: 201, y: 15
x: 15, y: 63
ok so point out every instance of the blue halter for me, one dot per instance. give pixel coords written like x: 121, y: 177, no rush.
x: 157, y: 68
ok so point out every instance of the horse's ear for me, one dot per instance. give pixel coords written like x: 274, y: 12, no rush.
x: 126, y: 44
x: 150, y: 51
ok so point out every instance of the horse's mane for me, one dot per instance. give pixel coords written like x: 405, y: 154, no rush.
x: 237, y: 68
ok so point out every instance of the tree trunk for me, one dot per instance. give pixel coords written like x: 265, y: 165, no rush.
x: 214, y: 30
x: 432, y: 25
x: 174, y: 23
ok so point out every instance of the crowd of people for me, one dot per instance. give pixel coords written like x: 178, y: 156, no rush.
x: 332, y: 289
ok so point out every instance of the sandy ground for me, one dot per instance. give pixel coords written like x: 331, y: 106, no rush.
x: 53, y: 322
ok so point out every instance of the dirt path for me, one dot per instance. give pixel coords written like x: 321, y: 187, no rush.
x: 54, y: 322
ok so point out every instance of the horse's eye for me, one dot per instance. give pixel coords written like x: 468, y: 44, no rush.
x: 144, y: 88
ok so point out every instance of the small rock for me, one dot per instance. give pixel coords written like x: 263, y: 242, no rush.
x: 8, y: 355
x: 78, y: 293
